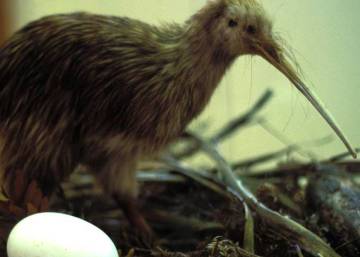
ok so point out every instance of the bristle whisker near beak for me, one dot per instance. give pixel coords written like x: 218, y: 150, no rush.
x: 284, y: 60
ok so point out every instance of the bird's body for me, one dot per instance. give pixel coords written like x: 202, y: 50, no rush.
x: 78, y: 87
x: 103, y: 91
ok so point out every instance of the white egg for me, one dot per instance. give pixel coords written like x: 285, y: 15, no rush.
x: 52, y: 234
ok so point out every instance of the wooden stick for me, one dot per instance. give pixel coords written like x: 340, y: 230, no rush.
x: 232, y: 126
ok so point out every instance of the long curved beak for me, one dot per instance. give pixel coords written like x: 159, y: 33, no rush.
x: 271, y: 52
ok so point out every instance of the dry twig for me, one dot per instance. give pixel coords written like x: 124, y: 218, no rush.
x: 231, y: 127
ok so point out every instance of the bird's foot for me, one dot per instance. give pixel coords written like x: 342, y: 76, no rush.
x: 137, y: 220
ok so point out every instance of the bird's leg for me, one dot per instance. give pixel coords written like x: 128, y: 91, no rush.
x: 118, y: 177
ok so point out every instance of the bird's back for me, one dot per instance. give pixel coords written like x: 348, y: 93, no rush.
x: 61, y: 77
x: 49, y: 63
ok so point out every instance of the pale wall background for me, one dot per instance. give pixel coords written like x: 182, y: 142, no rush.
x: 325, y: 36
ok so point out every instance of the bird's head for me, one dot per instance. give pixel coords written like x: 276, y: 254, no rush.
x: 242, y: 27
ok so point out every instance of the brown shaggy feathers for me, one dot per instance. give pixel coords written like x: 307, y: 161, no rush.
x: 103, y: 91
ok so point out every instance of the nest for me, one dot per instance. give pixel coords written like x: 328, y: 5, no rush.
x: 230, y: 210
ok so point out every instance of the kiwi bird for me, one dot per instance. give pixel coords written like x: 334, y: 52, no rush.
x: 105, y: 91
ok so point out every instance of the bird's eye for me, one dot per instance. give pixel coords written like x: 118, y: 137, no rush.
x: 232, y: 23
x: 250, y: 29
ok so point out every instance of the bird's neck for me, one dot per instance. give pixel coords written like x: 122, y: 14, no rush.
x: 199, y: 68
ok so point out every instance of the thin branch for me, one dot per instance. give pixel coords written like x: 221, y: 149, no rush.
x: 235, y: 124
x: 200, y: 177
x: 231, y: 127
x: 342, y: 156
x: 277, y: 154
x: 161, y: 176
x: 249, y: 234
x: 246, y: 164
x: 302, y: 169
x: 298, y: 251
